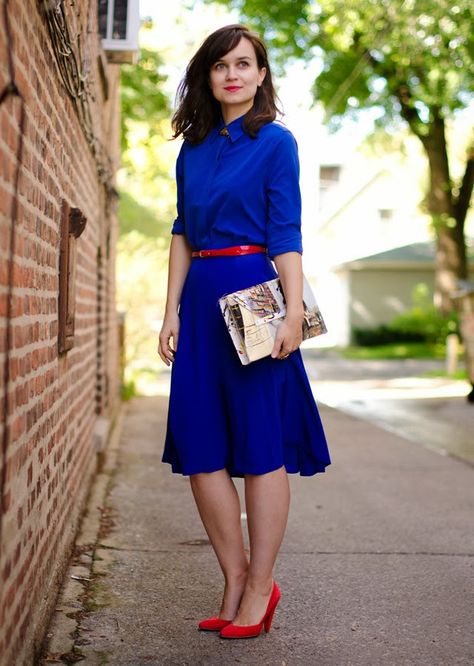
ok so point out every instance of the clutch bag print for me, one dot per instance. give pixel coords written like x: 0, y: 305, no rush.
x: 253, y: 315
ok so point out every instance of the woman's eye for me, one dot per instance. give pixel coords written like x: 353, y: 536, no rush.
x: 243, y: 63
x: 219, y: 65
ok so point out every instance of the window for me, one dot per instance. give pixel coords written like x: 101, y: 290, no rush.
x: 329, y: 177
x: 119, y: 22
x: 385, y: 214
x: 73, y: 223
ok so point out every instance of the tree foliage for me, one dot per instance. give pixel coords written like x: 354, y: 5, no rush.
x: 142, y: 96
x: 371, y: 49
x: 412, y: 59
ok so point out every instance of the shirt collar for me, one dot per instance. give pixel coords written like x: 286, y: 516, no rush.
x: 234, y: 128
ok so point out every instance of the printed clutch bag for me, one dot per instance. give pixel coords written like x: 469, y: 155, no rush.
x: 253, y: 315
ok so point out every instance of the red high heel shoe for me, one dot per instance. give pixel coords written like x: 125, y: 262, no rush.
x: 213, y: 624
x: 252, y: 630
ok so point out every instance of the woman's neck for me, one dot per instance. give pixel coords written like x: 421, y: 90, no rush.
x: 232, y: 112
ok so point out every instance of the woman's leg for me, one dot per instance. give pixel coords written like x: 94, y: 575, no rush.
x: 267, y: 498
x: 219, y: 507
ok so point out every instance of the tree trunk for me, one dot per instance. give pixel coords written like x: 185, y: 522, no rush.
x: 451, y: 262
x: 450, y: 266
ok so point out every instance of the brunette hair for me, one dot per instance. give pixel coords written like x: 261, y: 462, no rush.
x: 198, y: 111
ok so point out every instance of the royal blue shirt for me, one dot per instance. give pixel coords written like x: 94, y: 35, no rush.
x: 235, y: 190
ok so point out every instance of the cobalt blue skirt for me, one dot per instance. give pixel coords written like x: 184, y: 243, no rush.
x: 247, y: 419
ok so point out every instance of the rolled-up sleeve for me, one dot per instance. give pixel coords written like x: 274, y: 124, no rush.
x: 284, y: 199
x: 178, y: 224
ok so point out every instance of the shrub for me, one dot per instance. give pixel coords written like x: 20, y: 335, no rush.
x: 425, y: 319
x: 128, y: 390
x: 429, y: 323
x: 382, y: 335
x: 422, y: 323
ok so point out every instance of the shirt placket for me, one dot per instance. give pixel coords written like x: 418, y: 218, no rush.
x: 223, y: 140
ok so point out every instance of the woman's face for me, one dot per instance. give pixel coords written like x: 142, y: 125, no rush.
x: 235, y: 77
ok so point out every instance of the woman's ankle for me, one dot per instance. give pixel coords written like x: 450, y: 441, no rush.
x: 233, y: 592
x: 259, y: 585
x: 237, y: 577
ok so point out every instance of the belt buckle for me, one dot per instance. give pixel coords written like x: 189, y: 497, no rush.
x: 201, y: 254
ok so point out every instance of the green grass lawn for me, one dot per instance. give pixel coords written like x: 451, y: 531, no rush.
x: 459, y: 374
x: 396, y: 350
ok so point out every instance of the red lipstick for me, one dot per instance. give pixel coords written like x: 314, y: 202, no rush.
x: 232, y: 88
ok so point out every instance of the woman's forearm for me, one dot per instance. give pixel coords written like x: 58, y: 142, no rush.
x: 290, y: 271
x: 179, y: 262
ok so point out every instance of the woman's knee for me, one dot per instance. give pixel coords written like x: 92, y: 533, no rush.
x: 206, y: 478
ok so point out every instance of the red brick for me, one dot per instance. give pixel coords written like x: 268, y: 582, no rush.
x: 48, y: 395
x: 17, y: 554
x: 6, y: 570
x: 6, y: 500
x: 10, y: 595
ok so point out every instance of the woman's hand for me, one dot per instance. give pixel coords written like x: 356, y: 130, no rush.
x: 289, y: 337
x: 180, y: 260
x: 170, y: 329
x: 290, y: 332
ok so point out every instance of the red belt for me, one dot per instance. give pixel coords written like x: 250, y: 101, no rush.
x: 233, y: 251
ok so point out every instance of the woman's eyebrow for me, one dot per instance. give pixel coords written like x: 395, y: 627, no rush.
x: 238, y: 58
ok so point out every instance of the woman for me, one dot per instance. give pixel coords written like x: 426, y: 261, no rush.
x: 239, y: 205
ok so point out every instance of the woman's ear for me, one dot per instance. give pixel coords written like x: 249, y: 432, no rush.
x: 261, y: 76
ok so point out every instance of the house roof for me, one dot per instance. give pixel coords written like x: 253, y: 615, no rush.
x: 415, y: 255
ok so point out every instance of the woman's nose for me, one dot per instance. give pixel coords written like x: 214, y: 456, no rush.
x: 231, y: 73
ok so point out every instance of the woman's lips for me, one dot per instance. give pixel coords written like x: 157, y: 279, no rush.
x: 232, y: 88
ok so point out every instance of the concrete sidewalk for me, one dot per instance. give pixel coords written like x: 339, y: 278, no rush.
x: 403, y: 396
x: 377, y: 566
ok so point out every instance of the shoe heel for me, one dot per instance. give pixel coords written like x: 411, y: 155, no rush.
x: 269, y: 618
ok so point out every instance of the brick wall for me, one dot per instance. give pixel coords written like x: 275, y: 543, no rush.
x: 54, y: 400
